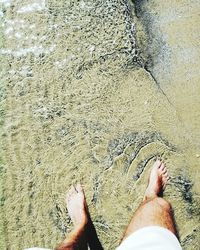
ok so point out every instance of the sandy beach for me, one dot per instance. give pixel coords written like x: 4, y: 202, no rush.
x: 94, y: 92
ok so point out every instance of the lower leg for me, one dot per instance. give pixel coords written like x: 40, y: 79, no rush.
x: 76, y: 240
x: 154, y: 210
x: 84, y: 233
x: 77, y: 209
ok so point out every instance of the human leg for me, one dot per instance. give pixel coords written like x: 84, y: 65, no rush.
x: 84, y: 233
x: 154, y: 210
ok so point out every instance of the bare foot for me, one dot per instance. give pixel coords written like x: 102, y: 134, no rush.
x: 157, y: 180
x: 77, y: 206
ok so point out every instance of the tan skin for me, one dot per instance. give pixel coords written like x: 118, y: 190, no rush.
x: 153, y: 211
x: 84, y: 233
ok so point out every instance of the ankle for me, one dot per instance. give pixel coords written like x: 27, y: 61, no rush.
x: 150, y: 196
x: 81, y: 225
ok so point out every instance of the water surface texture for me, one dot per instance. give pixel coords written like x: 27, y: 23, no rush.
x: 94, y: 91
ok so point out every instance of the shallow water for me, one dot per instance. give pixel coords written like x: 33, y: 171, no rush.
x: 89, y: 98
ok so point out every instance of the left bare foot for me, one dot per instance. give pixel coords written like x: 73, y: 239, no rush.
x: 77, y: 206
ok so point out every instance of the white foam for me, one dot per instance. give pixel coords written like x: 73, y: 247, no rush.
x: 18, y: 35
x: 12, y: 72
x: 6, y: 3
x: 14, y: 21
x: 25, y: 70
x: 82, y: 4
x: 36, y: 50
x: 37, y: 6
x: 6, y: 51
x: 8, y: 30
x: 14, y: 24
x: 60, y: 64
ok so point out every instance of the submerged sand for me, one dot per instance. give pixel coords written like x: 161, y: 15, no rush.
x: 95, y: 92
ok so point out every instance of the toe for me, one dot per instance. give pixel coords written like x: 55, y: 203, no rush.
x: 164, y: 171
x: 164, y: 182
x: 165, y: 178
x: 69, y: 196
x: 162, y: 166
x: 79, y: 188
x: 165, y: 174
x: 74, y: 190
x: 71, y: 191
x: 157, y: 164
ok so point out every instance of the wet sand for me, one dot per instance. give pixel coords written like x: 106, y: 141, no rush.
x: 95, y: 93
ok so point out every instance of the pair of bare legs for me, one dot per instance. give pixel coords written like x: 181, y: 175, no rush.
x: 154, y: 211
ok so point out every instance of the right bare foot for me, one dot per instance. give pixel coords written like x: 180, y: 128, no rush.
x: 157, y: 180
x: 77, y: 206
